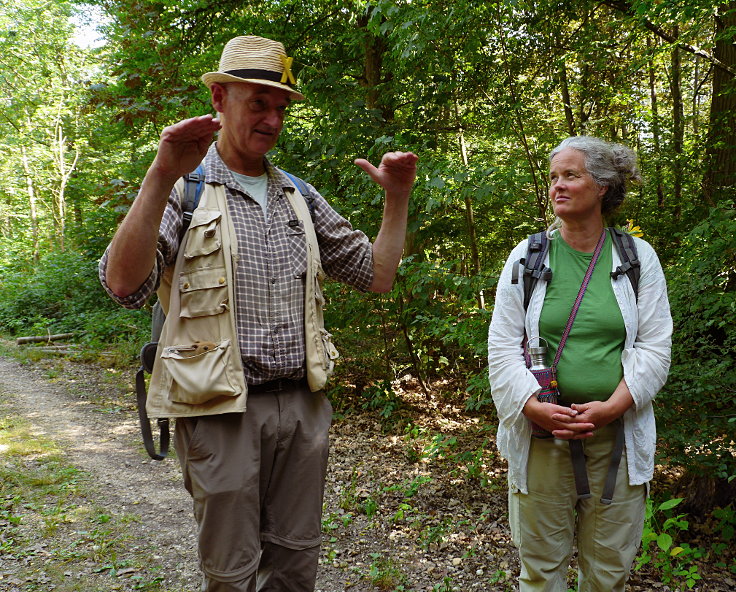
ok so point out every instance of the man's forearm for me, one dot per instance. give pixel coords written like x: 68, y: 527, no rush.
x: 389, y: 244
x: 132, y: 252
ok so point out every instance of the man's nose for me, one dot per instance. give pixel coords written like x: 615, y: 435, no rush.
x: 274, y: 117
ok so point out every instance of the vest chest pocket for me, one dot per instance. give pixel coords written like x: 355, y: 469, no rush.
x: 203, y: 280
x: 203, y: 292
x: 204, y: 234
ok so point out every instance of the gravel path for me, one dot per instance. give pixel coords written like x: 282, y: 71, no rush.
x: 396, y: 518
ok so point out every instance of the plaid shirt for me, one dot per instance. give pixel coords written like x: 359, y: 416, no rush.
x: 271, y: 268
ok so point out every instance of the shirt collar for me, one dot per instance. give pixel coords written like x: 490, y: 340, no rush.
x: 216, y: 171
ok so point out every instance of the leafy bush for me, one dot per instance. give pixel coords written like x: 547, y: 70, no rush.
x: 428, y: 326
x: 697, y: 406
x: 677, y: 563
x: 63, y: 294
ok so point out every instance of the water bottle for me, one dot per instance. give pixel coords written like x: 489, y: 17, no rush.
x: 538, y: 355
x: 546, y: 377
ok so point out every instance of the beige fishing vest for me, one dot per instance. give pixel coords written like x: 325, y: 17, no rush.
x: 198, y: 369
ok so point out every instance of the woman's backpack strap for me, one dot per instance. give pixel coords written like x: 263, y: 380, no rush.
x: 630, y: 264
x: 533, y: 265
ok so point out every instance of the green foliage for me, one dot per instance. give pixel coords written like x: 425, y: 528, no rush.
x: 697, y: 408
x: 469, y: 463
x: 384, y: 400
x: 435, y: 534
x: 444, y: 586
x: 722, y: 549
x: 63, y: 294
x: 676, y: 562
x: 384, y: 574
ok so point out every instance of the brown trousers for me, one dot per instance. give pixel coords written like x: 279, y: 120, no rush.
x: 257, y: 483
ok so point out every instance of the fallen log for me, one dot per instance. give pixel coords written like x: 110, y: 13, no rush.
x: 62, y: 351
x: 43, y: 338
x: 66, y: 346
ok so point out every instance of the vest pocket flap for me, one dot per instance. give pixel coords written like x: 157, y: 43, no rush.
x: 203, y: 292
x: 204, y: 233
x: 202, y: 279
x: 199, y: 371
x: 202, y: 217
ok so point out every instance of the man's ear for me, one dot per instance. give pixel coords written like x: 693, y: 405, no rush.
x: 218, y: 93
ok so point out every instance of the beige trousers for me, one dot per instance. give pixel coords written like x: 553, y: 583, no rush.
x: 544, y: 522
x: 257, y: 482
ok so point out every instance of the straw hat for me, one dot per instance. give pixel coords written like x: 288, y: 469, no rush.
x: 256, y: 60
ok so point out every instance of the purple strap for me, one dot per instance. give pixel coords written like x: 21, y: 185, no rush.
x: 579, y: 299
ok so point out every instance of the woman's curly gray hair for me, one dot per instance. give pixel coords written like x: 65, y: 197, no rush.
x: 610, y: 164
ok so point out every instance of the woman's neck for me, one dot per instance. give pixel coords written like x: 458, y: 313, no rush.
x: 582, y: 237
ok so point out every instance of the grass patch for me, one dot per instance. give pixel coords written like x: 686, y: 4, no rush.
x: 53, y: 533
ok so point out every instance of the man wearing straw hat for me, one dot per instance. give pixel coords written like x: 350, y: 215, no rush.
x: 242, y: 318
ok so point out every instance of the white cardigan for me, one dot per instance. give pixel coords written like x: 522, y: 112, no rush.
x: 645, y: 360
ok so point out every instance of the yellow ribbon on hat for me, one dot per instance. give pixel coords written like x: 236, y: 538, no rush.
x: 287, y: 75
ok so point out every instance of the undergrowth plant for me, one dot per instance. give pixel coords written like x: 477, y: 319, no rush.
x: 384, y: 573
x: 382, y: 398
x: 662, y: 548
x: 725, y: 529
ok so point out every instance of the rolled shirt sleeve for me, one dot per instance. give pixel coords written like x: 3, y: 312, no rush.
x: 168, y: 245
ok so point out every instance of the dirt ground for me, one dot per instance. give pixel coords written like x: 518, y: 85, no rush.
x: 393, y: 518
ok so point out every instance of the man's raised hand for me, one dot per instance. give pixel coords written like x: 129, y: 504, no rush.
x: 395, y: 174
x: 183, y: 146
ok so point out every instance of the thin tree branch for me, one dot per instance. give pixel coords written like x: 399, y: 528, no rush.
x: 625, y: 7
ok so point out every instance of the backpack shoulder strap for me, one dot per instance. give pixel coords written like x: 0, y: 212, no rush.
x: 192, y: 191
x: 302, y: 187
x: 533, y: 264
x: 193, y: 186
x: 630, y: 264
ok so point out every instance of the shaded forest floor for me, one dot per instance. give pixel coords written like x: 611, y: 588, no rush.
x: 415, y: 496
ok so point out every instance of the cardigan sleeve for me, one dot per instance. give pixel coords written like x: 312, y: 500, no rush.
x: 647, y: 361
x: 511, y: 383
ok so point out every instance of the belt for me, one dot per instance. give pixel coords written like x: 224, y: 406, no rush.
x: 275, y: 386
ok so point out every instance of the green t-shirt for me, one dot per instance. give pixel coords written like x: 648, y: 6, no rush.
x: 590, y: 366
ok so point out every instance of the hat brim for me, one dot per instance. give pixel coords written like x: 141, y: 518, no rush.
x: 212, y: 77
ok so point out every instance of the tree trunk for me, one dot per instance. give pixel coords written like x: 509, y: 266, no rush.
x: 60, y: 158
x: 565, y: 90
x: 655, y: 125
x: 30, y: 189
x: 65, y: 170
x: 374, y: 48
x: 469, y: 215
x: 678, y: 127
x: 719, y: 179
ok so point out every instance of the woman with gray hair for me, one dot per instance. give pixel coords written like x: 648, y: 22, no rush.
x: 580, y: 447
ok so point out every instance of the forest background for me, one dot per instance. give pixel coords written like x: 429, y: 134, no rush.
x: 481, y: 90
